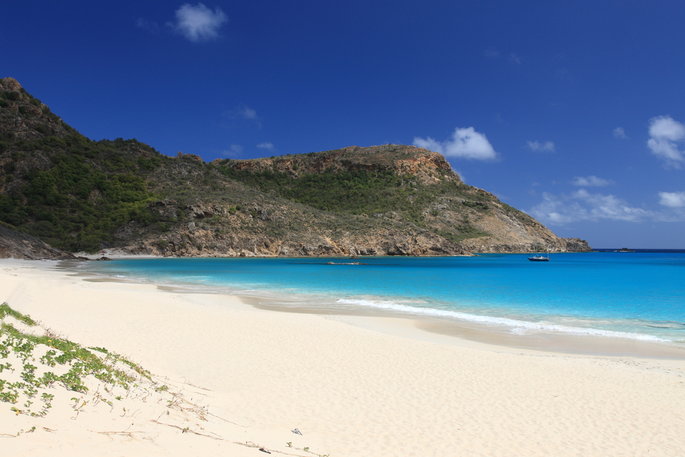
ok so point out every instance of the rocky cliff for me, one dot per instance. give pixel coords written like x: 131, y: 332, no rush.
x: 18, y: 245
x: 79, y: 194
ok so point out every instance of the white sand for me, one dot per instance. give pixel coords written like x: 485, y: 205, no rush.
x: 353, y: 386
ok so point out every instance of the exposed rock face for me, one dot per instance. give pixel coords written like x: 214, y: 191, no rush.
x: 381, y: 200
x: 26, y: 120
x: 19, y: 245
x: 197, y: 240
x: 425, y: 166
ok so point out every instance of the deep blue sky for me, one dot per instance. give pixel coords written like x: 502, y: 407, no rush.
x: 552, y: 102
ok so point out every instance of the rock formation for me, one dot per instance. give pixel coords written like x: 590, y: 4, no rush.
x: 17, y: 245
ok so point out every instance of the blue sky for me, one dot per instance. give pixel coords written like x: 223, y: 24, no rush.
x: 571, y: 111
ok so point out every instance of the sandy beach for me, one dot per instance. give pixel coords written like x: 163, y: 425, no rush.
x: 353, y: 385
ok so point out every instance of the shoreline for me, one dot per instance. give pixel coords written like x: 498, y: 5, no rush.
x: 354, y: 385
x: 116, y: 254
x: 543, y: 341
x: 462, y: 329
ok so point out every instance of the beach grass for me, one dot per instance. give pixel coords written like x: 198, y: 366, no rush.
x: 34, y: 360
x: 5, y: 310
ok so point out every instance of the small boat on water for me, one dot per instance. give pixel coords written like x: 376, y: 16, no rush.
x: 539, y: 258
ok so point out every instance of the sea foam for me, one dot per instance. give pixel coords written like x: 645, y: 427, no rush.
x: 516, y: 326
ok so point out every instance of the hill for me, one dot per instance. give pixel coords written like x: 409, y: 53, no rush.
x: 84, y: 195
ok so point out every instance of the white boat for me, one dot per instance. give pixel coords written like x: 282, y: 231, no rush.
x: 539, y: 258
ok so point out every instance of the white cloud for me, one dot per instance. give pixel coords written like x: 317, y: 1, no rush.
x: 242, y: 113
x: 491, y: 53
x: 267, y: 146
x: 199, y: 23
x: 620, y: 133
x: 245, y: 112
x: 496, y: 54
x: 514, y: 58
x: 672, y: 199
x: 667, y: 128
x: 664, y: 135
x: 541, y: 146
x: 590, y: 181
x: 582, y: 205
x: 148, y: 26
x: 234, y: 150
x: 465, y: 142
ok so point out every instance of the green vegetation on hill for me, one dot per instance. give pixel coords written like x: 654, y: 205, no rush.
x: 85, y: 193
x: 356, y: 192
x: 366, y: 192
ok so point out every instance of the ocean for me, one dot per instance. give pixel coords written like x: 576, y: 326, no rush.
x: 637, y: 295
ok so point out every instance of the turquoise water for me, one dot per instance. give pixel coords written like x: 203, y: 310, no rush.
x: 632, y: 295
